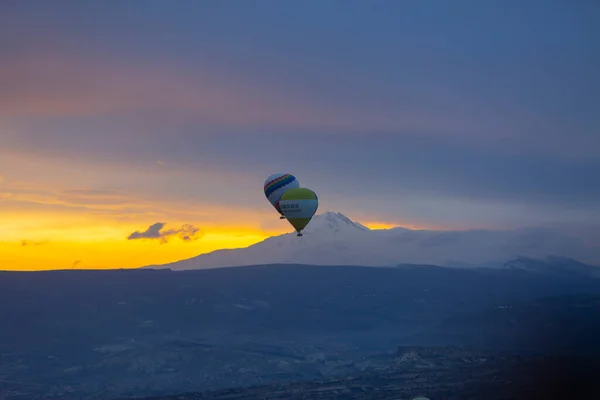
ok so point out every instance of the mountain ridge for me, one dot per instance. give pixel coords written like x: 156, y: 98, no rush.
x: 334, y: 239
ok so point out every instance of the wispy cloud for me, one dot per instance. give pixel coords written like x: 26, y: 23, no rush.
x: 93, y: 201
x: 155, y: 231
x: 33, y: 243
x: 92, y: 86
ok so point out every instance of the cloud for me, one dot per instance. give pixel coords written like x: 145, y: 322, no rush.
x: 187, y: 233
x: 94, y: 86
x: 89, y: 197
x: 260, y: 71
x: 33, y: 243
x: 43, y: 191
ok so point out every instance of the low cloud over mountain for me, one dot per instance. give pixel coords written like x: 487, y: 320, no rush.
x: 155, y: 231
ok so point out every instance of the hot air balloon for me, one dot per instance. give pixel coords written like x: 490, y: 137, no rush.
x: 299, y: 205
x: 276, y: 185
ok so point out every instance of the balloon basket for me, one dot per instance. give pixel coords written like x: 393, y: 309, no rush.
x: 282, y: 217
x: 299, y: 235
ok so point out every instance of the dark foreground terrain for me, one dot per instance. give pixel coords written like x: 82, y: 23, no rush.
x: 438, y: 373
x: 122, y: 334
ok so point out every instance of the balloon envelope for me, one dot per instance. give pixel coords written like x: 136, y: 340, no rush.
x: 276, y: 185
x: 298, y: 205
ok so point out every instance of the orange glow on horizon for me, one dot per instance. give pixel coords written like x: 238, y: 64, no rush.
x: 61, y: 241
x: 44, y: 241
x: 115, y: 253
x: 103, y: 244
x: 54, y: 217
x: 378, y: 225
x: 386, y: 225
x: 46, y: 225
x: 32, y: 238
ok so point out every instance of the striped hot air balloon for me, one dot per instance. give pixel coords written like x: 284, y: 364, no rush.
x: 276, y: 185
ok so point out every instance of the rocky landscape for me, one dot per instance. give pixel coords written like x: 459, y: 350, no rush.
x: 440, y: 373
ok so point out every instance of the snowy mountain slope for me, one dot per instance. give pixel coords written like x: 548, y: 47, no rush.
x: 333, y: 239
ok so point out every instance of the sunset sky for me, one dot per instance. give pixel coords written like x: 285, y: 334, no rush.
x: 117, y: 115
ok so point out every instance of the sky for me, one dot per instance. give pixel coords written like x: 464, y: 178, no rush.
x: 141, y: 132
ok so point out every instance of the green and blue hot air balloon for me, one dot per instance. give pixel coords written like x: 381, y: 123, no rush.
x: 298, y: 206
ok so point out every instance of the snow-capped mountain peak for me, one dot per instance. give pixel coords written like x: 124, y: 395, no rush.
x: 334, y: 223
